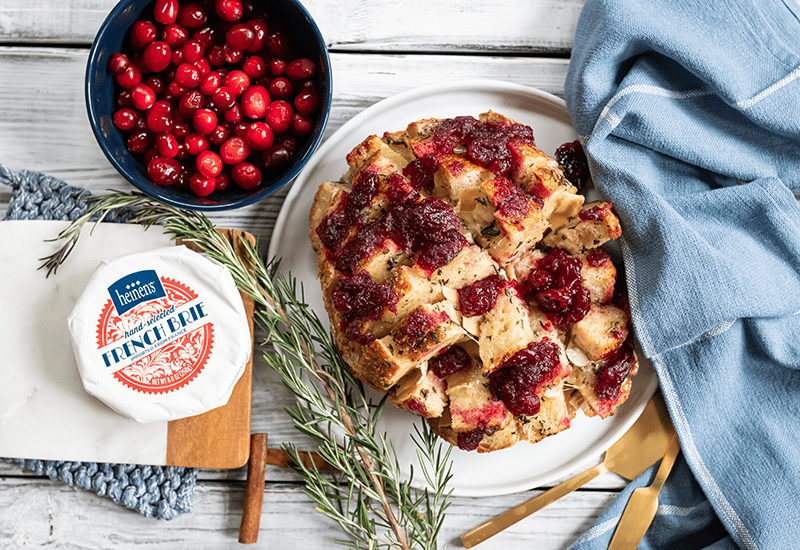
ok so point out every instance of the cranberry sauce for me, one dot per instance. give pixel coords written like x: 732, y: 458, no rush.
x: 556, y: 287
x: 480, y: 296
x: 598, y: 258
x: 572, y: 159
x: 359, y: 298
x: 486, y: 143
x: 335, y: 226
x: 453, y: 359
x: 521, y: 377
x: 595, y: 213
x: 510, y: 200
x: 609, y: 380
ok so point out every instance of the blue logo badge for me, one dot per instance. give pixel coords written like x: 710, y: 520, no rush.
x: 131, y: 290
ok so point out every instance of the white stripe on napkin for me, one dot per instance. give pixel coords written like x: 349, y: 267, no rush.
x: 693, y: 457
x: 747, y: 103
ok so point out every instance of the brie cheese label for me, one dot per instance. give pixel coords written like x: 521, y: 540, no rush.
x: 163, y: 342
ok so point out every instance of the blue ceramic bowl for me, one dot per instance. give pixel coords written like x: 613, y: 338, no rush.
x: 288, y: 15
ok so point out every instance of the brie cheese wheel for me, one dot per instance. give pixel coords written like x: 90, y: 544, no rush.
x: 161, y: 335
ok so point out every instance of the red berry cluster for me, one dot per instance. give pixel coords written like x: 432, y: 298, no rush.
x: 210, y: 96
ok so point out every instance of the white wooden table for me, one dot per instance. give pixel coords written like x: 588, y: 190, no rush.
x: 378, y: 48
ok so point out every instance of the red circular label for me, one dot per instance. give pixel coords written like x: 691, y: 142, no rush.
x: 162, y: 350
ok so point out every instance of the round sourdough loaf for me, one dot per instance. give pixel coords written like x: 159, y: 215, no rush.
x: 464, y: 274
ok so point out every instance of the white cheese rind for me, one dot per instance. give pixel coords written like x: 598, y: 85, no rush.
x: 161, y: 335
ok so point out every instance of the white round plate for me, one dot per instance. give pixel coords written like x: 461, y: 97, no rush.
x: 523, y: 466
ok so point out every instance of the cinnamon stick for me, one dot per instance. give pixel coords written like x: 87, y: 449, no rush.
x: 254, y: 490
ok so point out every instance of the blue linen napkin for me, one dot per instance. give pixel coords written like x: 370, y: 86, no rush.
x: 689, y: 112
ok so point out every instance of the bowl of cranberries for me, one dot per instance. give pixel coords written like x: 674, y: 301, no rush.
x: 208, y: 104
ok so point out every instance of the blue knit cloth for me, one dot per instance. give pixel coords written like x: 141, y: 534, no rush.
x: 161, y: 492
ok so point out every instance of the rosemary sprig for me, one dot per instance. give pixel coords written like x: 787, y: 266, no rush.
x: 366, y: 494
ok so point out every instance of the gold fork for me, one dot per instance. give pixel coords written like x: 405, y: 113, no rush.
x: 643, y: 504
x: 638, y: 449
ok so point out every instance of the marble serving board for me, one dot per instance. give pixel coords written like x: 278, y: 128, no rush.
x: 44, y: 411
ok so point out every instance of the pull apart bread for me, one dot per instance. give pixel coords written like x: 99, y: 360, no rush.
x: 463, y: 274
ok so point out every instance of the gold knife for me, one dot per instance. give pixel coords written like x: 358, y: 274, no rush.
x: 642, y: 506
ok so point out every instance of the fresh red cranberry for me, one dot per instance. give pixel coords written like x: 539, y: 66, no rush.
x: 246, y: 175
x: 223, y: 97
x: 234, y: 150
x: 150, y: 155
x: 277, y: 66
x: 157, y: 56
x: 277, y: 44
x: 117, y: 63
x: 218, y: 135
x: 142, y: 97
x: 237, y: 81
x: 216, y: 55
x: 192, y: 51
x: 276, y: 158
x: 229, y: 10
x: 280, y: 88
x: 254, y: 66
x: 204, y: 121
x: 190, y: 102
x: 234, y: 114
x: 124, y: 99
x: 164, y: 171
x: 210, y: 83
x: 240, y: 36
x: 201, y: 185
x: 209, y: 164
x: 181, y: 130
x: 240, y: 129
x: 156, y: 83
x: 174, y: 35
x: 165, y: 11
x: 206, y: 35
x: 125, y: 118
x: 166, y: 145
x: 279, y: 116
x: 187, y: 75
x: 259, y: 136
x: 142, y: 33
x: 130, y: 77
x: 306, y: 103
x: 254, y: 102
x: 191, y: 15
x: 177, y: 57
x: 159, y: 121
x: 450, y: 361
x: 231, y: 55
x: 260, y: 29
x: 300, y: 69
x: 175, y: 90
x: 301, y: 125
x: 222, y: 183
x: 196, y: 144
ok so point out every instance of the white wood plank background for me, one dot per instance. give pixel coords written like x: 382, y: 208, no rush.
x: 378, y: 48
